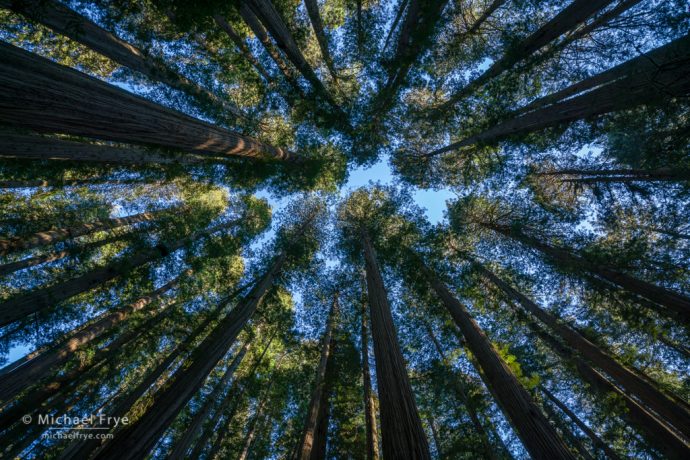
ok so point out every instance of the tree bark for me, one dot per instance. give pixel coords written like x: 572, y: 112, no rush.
x: 137, y: 439
x: 182, y: 445
x: 372, y: 437
x: 85, y: 106
x: 317, y: 25
x: 49, y: 237
x: 23, y: 305
x: 674, y: 411
x: 401, y: 428
x: 569, y: 18
x: 242, y: 46
x: 567, y: 432
x: 310, y: 444
x: 71, y: 24
x: 537, y: 435
x: 657, y: 75
x: 674, y: 303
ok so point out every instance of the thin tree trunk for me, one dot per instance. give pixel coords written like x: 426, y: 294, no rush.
x: 48, y: 237
x: 319, y: 396
x: 32, y: 147
x: 23, y: 305
x: 491, y: 9
x: 569, y: 18
x: 372, y: 438
x: 567, y: 432
x: 242, y: 46
x: 596, y: 440
x: 12, y: 184
x: 619, y: 175
x: 537, y: 435
x: 182, y: 445
x: 401, y: 428
x: 317, y: 25
x: 658, y: 75
x: 394, y: 25
x: 437, y: 443
x: 9, y: 268
x: 85, y: 106
x: 137, y: 439
x: 674, y: 411
x: 69, y: 23
x: 675, y: 303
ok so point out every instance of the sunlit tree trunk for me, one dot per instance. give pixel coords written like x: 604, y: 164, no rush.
x: 137, y: 439
x: 65, y: 21
x: 401, y: 428
x: 310, y: 445
x: 85, y: 106
x: 372, y: 438
x: 538, y: 436
x: 640, y: 386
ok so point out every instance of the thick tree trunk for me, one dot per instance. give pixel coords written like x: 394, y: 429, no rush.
x: 372, y: 438
x: 24, y: 305
x: 569, y: 18
x: 598, y: 443
x: 182, y: 445
x: 675, y: 303
x: 85, y: 106
x: 537, y: 435
x: 319, y: 397
x: 49, y: 237
x: 65, y: 21
x: 674, y: 411
x: 317, y: 25
x: 135, y: 441
x: 9, y: 268
x: 37, y: 365
x: 656, y: 76
x: 32, y: 147
x: 401, y: 428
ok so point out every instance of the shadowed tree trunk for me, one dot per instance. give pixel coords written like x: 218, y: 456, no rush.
x: 653, y: 77
x: 491, y: 9
x: 372, y: 436
x: 194, y: 426
x: 569, y: 18
x: 394, y: 25
x: 401, y: 428
x: 596, y: 440
x: 317, y: 25
x: 23, y: 305
x: 674, y: 411
x: 22, y: 243
x: 65, y: 21
x: 537, y: 435
x: 310, y: 445
x: 434, y: 434
x: 137, y: 439
x: 85, y: 106
x: 567, y: 432
x: 242, y: 46
x: 675, y: 303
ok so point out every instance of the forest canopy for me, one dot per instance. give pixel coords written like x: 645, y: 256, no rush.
x: 216, y: 237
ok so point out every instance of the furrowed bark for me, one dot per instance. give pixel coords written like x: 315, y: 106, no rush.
x: 537, y: 435
x: 69, y: 23
x: 137, y: 439
x: 401, y: 428
x: 85, y: 106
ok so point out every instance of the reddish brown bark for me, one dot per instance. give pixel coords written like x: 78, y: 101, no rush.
x: 372, y: 435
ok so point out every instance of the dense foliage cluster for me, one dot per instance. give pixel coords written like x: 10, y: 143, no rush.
x: 183, y: 252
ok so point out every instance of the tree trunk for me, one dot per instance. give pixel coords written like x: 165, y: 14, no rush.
x: 84, y: 106
x: 137, y: 439
x: 12, y: 184
x: 567, y: 432
x: 32, y: 147
x: 437, y: 443
x: 674, y: 411
x: 598, y: 443
x: 394, y: 25
x: 9, y: 268
x: 675, y: 303
x: 619, y: 175
x: 319, y: 397
x: 23, y: 305
x: 537, y: 435
x: 372, y: 438
x: 49, y: 237
x: 182, y: 445
x: 656, y: 76
x: 37, y: 365
x: 491, y: 9
x: 317, y: 25
x: 401, y: 428
x: 242, y: 46
x: 569, y: 18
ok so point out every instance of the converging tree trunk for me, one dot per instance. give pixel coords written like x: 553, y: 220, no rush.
x: 85, y: 106
x: 401, y: 428
x: 372, y: 438
x: 317, y: 25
